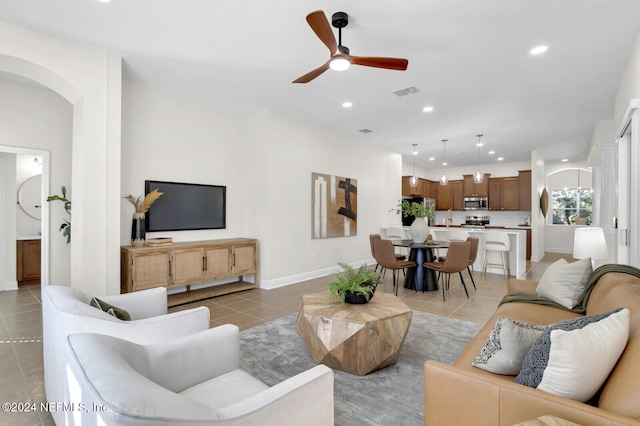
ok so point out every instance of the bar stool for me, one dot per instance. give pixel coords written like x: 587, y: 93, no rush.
x: 497, y: 241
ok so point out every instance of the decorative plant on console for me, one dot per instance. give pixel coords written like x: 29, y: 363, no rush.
x: 419, y: 229
x: 141, y: 205
x: 354, y: 286
x: 65, y: 228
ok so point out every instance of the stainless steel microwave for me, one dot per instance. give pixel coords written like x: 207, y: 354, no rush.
x: 476, y: 203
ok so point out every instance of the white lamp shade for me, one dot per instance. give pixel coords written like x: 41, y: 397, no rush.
x: 590, y: 242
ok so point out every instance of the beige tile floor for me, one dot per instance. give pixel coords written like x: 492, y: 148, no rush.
x: 21, y: 369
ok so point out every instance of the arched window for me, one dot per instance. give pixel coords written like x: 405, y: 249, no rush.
x: 571, y: 197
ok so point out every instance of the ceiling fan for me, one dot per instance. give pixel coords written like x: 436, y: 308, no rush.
x: 340, y: 58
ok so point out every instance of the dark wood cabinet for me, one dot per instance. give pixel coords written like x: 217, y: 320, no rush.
x: 28, y: 262
x: 472, y: 189
x: 450, y: 196
x: 425, y: 188
x: 408, y: 190
x: 443, y: 199
x: 504, y: 193
x: 511, y: 193
x: 457, y: 188
x: 524, y: 192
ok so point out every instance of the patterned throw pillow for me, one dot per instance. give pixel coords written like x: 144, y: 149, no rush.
x: 573, y: 358
x: 121, y: 314
x: 507, y: 345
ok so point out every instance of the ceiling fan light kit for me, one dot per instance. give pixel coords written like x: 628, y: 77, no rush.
x: 340, y: 59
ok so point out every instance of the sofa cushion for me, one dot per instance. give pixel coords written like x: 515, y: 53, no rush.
x: 564, y: 283
x: 225, y: 390
x: 508, y: 343
x: 119, y: 313
x: 573, y: 358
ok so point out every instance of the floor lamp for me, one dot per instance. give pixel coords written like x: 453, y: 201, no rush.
x: 589, y: 241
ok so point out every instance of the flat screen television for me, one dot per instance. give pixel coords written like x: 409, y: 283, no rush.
x: 186, y: 206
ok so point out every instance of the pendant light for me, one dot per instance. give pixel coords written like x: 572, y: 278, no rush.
x: 478, y: 177
x: 413, y: 181
x: 444, y: 179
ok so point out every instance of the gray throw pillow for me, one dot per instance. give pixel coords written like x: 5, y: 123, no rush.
x: 119, y: 313
x: 507, y: 345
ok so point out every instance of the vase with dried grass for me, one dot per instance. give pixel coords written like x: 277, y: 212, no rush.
x: 141, y: 205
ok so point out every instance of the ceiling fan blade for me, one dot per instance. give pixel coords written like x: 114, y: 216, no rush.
x: 320, y: 25
x: 386, y: 63
x: 313, y: 74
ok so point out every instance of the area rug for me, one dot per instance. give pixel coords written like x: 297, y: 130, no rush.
x: 393, y: 396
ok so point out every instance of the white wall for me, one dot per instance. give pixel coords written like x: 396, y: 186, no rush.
x: 629, y: 87
x: 36, y: 117
x: 265, y: 159
x: 91, y: 81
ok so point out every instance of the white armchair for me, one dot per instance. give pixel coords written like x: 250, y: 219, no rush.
x: 193, y: 380
x: 67, y: 311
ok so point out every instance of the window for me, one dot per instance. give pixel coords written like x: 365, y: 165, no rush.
x: 569, y: 205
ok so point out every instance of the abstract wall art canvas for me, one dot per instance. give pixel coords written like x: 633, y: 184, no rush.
x: 334, y: 206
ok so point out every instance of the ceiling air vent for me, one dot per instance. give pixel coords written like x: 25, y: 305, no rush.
x: 365, y: 130
x: 408, y: 91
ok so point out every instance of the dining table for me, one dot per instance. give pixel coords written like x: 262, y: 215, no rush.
x: 419, y: 278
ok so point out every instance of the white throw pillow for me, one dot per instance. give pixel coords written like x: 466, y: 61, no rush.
x: 507, y: 345
x: 573, y: 358
x: 564, y: 282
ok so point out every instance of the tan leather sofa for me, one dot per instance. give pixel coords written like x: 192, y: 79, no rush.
x: 461, y: 394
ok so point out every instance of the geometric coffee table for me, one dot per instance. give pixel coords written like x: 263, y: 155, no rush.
x: 358, y: 339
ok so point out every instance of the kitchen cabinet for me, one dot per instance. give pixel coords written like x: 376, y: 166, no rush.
x: 429, y: 189
x: 504, y: 193
x: 28, y: 261
x: 408, y: 190
x: 443, y: 198
x: 449, y: 196
x: 472, y: 189
x: 524, y: 191
x: 457, y: 190
x: 424, y: 189
x: 187, y: 263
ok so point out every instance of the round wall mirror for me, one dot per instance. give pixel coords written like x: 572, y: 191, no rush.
x: 30, y: 196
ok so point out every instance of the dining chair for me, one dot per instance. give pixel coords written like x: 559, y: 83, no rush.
x: 373, y: 237
x: 386, y: 258
x: 473, y: 255
x: 395, y: 233
x: 457, y: 260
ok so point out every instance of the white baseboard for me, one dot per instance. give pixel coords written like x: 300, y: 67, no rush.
x: 9, y: 285
x: 294, y: 279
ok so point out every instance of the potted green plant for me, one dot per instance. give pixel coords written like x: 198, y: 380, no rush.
x: 419, y: 228
x: 65, y: 228
x: 354, y: 286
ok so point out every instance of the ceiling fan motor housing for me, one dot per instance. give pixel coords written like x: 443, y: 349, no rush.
x: 339, y: 19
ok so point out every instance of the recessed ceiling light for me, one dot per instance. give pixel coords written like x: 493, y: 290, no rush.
x: 347, y: 104
x: 564, y: 160
x: 105, y: 1
x: 538, y: 50
x: 427, y: 109
x: 444, y: 164
x: 500, y: 158
x: 479, y: 144
x: 432, y: 158
x: 491, y: 152
x: 414, y: 152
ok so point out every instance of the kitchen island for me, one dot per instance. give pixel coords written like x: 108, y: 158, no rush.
x: 517, y: 253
